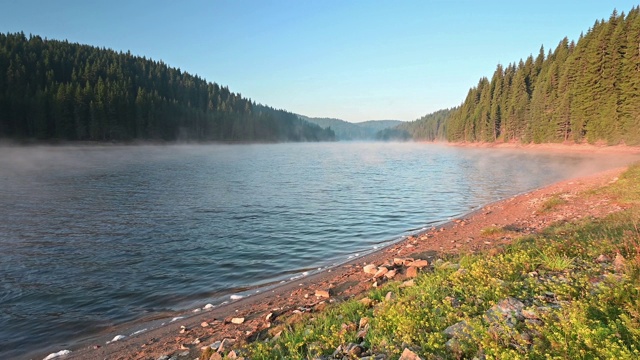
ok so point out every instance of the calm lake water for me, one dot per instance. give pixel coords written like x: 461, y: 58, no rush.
x: 92, y: 237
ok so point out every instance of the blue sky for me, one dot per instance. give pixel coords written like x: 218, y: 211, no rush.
x: 353, y: 60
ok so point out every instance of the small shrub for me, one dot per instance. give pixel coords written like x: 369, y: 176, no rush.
x: 552, y: 203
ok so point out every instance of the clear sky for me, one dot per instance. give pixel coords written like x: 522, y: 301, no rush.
x: 353, y: 60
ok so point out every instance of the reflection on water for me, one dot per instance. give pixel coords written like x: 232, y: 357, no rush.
x: 96, y: 236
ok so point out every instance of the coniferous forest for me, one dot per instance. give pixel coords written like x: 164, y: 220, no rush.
x: 56, y: 90
x: 584, y: 91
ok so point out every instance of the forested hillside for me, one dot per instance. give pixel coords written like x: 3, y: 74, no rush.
x: 344, y: 130
x: 59, y: 90
x: 429, y: 127
x: 584, y: 91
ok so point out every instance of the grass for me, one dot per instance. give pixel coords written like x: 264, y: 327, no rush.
x: 552, y: 203
x: 577, y: 308
x: 492, y: 230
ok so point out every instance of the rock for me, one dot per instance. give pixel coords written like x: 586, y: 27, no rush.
x: 225, y: 344
x: 603, y: 259
x: 116, y: 338
x: 619, y: 262
x: 363, y: 322
x: 215, y: 356
x: 398, y: 261
x: 390, y: 274
x: 511, y: 305
x: 530, y: 314
x: 204, y: 324
x: 389, y: 296
x: 269, y: 316
x: 237, y: 321
x: 509, y: 308
x: 381, y: 271
x: 419, y: 263
x: 232, y: 355
x: 208, y: 307
x: 408, y: 283
x: 57, y: 354
x: 409, y: 355
x: 412, y: 272
x: 163, y: 357
x: 370, y: 269
x: 362, y: 333
x: 322, y: 293
x: 353, y: 350
x: 216, y: 345
x: 459, y: 330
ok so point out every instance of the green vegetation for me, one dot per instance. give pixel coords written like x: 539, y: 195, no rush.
x: 429, y: 127
x: 556, y: 295
x: 58, y: 90
x: 492, y: 230
x: 552, y: 203
x: 584, y: 91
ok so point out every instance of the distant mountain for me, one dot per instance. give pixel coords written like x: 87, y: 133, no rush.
x: 345, y: 130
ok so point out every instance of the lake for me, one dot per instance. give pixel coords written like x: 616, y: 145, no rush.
x: 96, y: 236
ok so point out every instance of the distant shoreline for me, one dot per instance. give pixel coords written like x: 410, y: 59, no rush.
x: 550, y: 147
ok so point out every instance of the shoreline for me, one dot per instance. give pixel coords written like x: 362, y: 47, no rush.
x: 343, y: 281
x: 567, y: 147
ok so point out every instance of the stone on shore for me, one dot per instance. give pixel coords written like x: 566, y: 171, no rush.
x: 459, y: 330
x: 370, y: 269
x: 418, y: 263
x: 322, y: 294
x: 57, y: 354
x: 409, y: 355
x: 412, y: 272
x: 381, y: 271
x: 238, y: 320
x: 390, y: 274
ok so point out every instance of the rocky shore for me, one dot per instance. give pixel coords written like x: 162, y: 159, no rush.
x: 217, y: 331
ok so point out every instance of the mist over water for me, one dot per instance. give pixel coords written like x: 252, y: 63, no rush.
x: 92, y: 237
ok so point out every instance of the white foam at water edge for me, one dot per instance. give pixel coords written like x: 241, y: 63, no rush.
x: 56, y: 354
x: 177, y: 318
x: 196, y: 310
x: 235, y: 297
x: 305, y: 273
x: 139, y: 331
x: 208, y: 306
x: 116, y: 338
x: 375, y: 246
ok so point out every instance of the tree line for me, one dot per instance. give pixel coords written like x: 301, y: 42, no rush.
x: 584, y: 91
x: 56, y: 90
